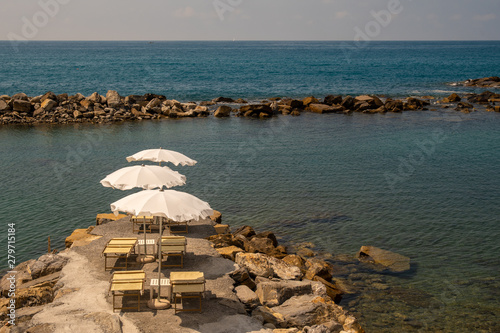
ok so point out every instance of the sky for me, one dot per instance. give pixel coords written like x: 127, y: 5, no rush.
x: 250, y: 20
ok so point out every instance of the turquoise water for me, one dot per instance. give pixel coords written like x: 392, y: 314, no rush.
x: 423, y: 184
x: 315, y: 178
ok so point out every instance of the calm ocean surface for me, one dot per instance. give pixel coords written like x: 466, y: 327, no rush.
x: 423, y: 184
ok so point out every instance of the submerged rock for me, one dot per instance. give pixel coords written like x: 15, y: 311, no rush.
x: 393, y: 261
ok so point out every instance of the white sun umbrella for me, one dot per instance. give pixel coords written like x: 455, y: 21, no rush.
x: 162, y: 155
x: 145, y: 177
x: 171, y: 204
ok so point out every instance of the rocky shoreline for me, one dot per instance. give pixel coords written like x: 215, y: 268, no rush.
x: 275, y: 288
x: 65, y: 109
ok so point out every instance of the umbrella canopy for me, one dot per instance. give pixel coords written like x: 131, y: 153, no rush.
x: 162, y: 155
x: 144, y: 176
x: 175, y: 205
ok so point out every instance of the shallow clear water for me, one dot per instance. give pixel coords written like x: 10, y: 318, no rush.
x: 326, y: 179
x: 423, y: 184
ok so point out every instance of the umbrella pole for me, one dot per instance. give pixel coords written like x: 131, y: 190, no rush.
x: 159, y: 258
x: 145, y: 246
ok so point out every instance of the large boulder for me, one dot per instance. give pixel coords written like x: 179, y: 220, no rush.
x: 223, y: 100
x: 393, y: 261
x: 225, y: 240
x: 373, y: 101
x: 223, y: 111
x: 247, y: 297
x: 310, y: 100
x: 95, y: 98
x: 323, y: 108
x: 393, y: 105
x: 48, y: 104
x: 268, y: 234
x: 47, y: 264
x: 20, y: 105
x: 4, y: 106
x: 48, y: 95
x: 245, y: 231
x: 80, y: 237
x: 273, y: 293
x: 260, y: 264
x: 333, y: 100
x: 23, y: 275
x: 216, y: 216
x: 348, y: 102
x: 317, y: 267
x: 113, y: 99
x: 229, y: 252
x: 241, y: 276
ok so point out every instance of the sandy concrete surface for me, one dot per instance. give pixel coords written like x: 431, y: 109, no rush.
x: 86, y: 305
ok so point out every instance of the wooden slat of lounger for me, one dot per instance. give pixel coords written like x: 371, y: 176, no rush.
x: 128, y: 275
x: 118, y: 249
x: 187, y: 277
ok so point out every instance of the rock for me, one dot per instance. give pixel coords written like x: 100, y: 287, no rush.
x: 260, y: 264
x: 87, y: 104
x: 274, y: 293
x: 308, y: 310
x: 245, y: 231
x: 287, y: 330
x: 415, y: 104
x: 255, y: 110
x: 317, y: 267
x: 109, y: 323
x: 225, y: 240
x: 242, y: 277
x: 95, y: 98
x: 223, y: 100
x: 464, y: 105
x: 240, y: 101
x: 20, y: 96
x: 332, y: 290
x: 113, y: 99
x: 47, y: 264
x: 333, y: 100
x: 373, y: 101
x: 216, y: 216
x: 62, y: 97
x: 393, y: 105
x: 48, y: 95
x: 20, y: 105
x: 80, y: 237
x: 268, y: 234
x: 310, y: 100
x: 348, y: 102
x: 229, y: 252
x: 323, y: 108
x: 453, y: 98
x: 4, y: 106
x: 247, y: 297
x: 390, y: 260
x: 23, y: 275
x: 155, y: 102
x: 38, y: 112
x: 77, y: 114
x: 268, y: 316
x: 223, y: 111
x: 294, y: 260
x: 48, y: 104
x: 493, y: 81
x: 262, y: 245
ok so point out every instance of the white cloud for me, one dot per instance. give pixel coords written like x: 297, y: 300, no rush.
x: 485, y: 17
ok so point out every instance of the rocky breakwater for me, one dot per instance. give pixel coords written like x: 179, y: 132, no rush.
x: 287, y: 292
x: 33, y: 284
x: 96, y: 108
x: 485, y: 82
x: 52, y: 108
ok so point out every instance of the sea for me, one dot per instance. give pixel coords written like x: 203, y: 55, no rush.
x: 423, y: 184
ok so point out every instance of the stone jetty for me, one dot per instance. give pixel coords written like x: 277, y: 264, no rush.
x: 112, y: 107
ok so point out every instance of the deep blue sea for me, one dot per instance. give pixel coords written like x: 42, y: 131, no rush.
x: 423, y: 184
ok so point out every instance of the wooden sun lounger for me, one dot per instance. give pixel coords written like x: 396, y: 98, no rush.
x: 118, y: 248
x: 173, y: 246
x: 187, y: 285
x: 103, y: 217
x: 126, y: 284
x: 138, y: 222
x: 169, y: 223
